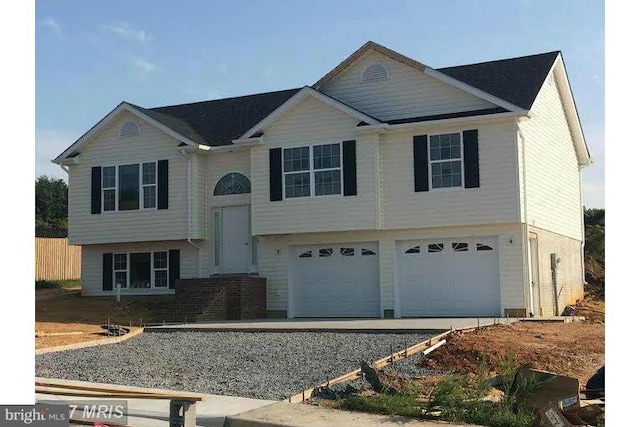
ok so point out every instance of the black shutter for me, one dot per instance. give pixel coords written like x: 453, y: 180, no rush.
x: 96, y: 190
x: 471, y: 164
x: 420, y: 163
x: 349, y: 178
x: 275, y: 174
x: 107, y: 272
x: 163, y: 184
x: 174, y: 267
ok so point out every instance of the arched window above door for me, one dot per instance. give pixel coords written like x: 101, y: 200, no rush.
x: 232, y: 183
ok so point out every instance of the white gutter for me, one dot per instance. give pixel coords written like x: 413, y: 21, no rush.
x: 64, y: 168
x: 405, y: 126
x: 187, y: 159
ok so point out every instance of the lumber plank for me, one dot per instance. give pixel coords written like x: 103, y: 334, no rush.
x: 105, y: 388
x: 114, y: 395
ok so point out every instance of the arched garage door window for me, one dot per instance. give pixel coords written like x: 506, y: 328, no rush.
x: 232, y: 183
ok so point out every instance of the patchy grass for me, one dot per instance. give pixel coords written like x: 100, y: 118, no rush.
x: 385, y: 403
x: 57, y: 284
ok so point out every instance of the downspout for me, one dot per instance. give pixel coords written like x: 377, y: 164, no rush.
x: 525, y: 240
x: 187, y: 159
x: 584, y: 279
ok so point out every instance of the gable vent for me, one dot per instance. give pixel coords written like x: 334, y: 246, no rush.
x: 129, y: 129
x: 375, y: 73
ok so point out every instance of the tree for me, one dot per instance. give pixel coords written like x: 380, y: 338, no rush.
x: 51, y: 207
x: 594, y: 234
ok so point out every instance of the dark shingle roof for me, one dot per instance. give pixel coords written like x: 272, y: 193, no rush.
x: 516, y: 80
x: 220, y: 121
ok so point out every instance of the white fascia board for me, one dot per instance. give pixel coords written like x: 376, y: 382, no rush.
x: 256, y: 140
x: 123, y: 106
x: 472, y: 90
x: 295, y: 100
x: 193, y: 148
x: 443, y: 122
x: 566, y: 95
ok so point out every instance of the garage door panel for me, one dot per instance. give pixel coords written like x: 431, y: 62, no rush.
x: 336, y: 280
x: 449, y: 277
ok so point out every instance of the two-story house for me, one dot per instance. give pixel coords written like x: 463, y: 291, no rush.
x: 387, y: 188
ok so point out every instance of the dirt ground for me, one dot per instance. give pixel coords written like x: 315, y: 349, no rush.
x: 64, y: 310
x: 573, y: 349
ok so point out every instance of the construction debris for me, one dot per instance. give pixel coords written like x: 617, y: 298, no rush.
x: 115, y: 330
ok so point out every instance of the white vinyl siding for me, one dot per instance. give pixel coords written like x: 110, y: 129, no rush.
x: 495, y: 201
x: 569, y: 274
x: 407, y: 93
x: 92, y: 264
x: 107, y: 148
x: 274, y: 259
x: 315, y: 122
x: 552, y: 175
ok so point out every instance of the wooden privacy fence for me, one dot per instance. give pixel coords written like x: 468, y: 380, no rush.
x: 56, y: 259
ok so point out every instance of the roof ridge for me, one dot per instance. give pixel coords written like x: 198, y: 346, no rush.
x: 223, y: 99
x: 501, y: 60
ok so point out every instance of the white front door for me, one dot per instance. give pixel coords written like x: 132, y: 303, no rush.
x: 234, y: 240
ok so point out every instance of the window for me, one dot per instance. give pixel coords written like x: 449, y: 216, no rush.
x: 435, y: 247
x: 445, y: 158
x: 305, y: 254
x: 347, y: 251
x: 232, y: 183
x: 149, y: 187
x: 326, y: 252
x: 460, y: 247
x: 161, y: 269
x: 128, y: 187
x: 366, y: 252
x: 307, y: 176
x: 109, y: 188
x: 141, y: 270
x: 413, y: 250
x: 483, y: 247
x: 120, y: 270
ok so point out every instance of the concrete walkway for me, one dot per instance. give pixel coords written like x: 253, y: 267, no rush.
x: 210, y: 412
x: 300, y: 415
x: 334, y: 325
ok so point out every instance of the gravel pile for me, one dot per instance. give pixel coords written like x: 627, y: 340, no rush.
x: 258, y: 365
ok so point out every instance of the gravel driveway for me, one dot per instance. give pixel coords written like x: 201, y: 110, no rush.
x: 261, y: 365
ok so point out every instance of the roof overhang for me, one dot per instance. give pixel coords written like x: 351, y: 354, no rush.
x: 566, y: 95
x: 123, y: 106
x: 384, y: 127
x: 304, y: 93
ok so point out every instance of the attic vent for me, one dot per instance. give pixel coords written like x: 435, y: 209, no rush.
x: 375, y: 73
x: 129, y: 129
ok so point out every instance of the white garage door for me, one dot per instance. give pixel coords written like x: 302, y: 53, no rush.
x: 449, y: 277
x: 335, y: 280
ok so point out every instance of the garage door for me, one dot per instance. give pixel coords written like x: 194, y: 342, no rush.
x: 449, y: 277
x: 335, y: 280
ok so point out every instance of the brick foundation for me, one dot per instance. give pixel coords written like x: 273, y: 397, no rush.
x: 229, y: 297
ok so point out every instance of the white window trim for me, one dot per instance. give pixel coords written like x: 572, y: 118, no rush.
x: 103, y: 188
x: 311, y: 171
x: 431, y: 162
x: 117, y: 187
x: 152, y: 271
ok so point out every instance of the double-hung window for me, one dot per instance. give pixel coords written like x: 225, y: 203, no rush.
x: 445, y: 158
x: 312, y: 171
x: 141, y: 270
x: 129, y: 187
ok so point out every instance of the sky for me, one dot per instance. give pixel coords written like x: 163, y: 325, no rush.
x: 92, y: 55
